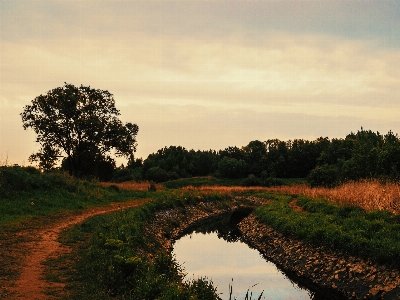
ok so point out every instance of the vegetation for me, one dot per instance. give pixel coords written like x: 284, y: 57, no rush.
x: 129, y: 264
x: 81, y: 125
x: 25, y: 192
x: 370, y: 195
x: 324, y: 162
x: 351, y: 202
x: 361, y: 155
x: 374, y: 235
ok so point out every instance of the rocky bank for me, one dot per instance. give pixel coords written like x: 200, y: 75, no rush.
x: 335, y: 271
x: 336, y: 274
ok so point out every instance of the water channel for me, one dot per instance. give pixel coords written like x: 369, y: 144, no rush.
x: 214, y: 250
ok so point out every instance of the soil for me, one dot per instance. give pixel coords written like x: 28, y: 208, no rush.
x: 23, y: 251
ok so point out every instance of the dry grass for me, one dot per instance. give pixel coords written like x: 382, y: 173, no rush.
x: 369, y: 195
x: 133, y: 186
x: 223, y: 189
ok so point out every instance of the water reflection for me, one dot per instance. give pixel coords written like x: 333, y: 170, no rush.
x: 215, y: 251
x: 207, y: 255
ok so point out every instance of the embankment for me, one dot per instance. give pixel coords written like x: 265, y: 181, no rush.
x: 336, y: 274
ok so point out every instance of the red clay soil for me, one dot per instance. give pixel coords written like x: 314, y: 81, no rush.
x: 23, y: 252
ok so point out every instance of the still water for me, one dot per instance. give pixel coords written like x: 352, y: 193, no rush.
x: 207, y: 255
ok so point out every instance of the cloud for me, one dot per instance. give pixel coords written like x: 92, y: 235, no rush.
x: 207, y: 74
x: 280, y: 69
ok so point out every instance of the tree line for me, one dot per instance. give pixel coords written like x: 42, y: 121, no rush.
x: 324, y: 162
x: 80, y: 127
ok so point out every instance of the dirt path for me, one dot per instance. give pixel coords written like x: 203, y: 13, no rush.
x: 24, y: 252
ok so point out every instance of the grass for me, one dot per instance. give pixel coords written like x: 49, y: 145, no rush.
x: 117, y: 260
x: 129, y: 264
x: 27, y: 193
x: 373, y: 235
x: 132, y: 186
x: 219, y: 182
x: 201, y: 181
x: 368, y: 194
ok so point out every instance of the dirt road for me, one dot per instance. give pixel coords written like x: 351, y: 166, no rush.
x: 23, y: 251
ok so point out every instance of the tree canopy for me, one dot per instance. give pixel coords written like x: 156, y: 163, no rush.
x: 79, y: 125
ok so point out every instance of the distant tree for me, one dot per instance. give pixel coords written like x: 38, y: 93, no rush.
x: 157, y: 174
x: 232, y: 168
x: 255, y: 157
x: 79, y: 124
x: 232, y: 152
x: 277, y: 158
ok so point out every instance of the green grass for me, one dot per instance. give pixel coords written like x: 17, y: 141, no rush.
x: 373, y: 235
x: 117, y: 260
x: 128, y: 264
x: 26, y: 193
x: 202, y: 181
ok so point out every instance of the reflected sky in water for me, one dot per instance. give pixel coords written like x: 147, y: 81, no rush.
x: 206, y: 255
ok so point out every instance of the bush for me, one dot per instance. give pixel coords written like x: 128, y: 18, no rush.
x: 122, y: 175
x: 173, y: 175
x: 18, y: 179
x: 251, y: 180
x: 157, y: 175
x: 272, y: 181
x: 152, y: 187
x: 326, y: 176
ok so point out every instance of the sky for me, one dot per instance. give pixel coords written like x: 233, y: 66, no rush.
x: 206, y: 74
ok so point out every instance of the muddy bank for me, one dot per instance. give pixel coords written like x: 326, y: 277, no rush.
x: 342, y: 274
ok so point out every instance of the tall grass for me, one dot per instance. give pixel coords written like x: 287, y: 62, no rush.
x: 132, y: 185
x: 368, y: 194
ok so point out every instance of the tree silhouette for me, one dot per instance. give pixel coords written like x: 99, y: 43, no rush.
x: 79, y: 124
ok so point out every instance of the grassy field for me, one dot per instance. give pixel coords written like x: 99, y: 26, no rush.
x: 372, y: 235
x: 368, y: 194
x: 358, y: 218
x: 27, y: 193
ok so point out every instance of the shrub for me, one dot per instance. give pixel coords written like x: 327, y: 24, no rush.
x: 272, y: 181
x: 173, y: 175
x: 152, y: 187
x: 251, y: 180
x: 122, y: 175
x: 326, y: 176
x: 157, y: 175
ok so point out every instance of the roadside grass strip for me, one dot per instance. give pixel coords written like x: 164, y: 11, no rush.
x: 372, y: 235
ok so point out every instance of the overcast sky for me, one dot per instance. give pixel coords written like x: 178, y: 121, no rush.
x: 207, y: 74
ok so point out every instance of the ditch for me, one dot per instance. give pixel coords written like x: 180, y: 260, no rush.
x: 214, y: 249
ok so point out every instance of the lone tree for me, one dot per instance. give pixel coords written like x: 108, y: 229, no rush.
x: 80, y: 125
